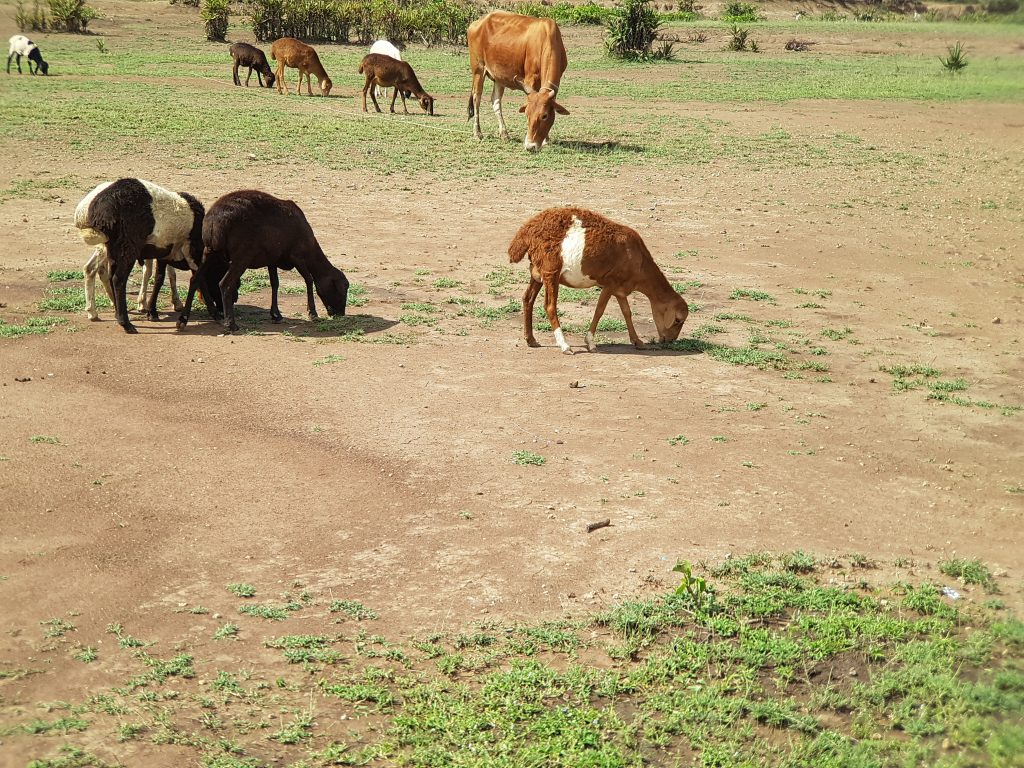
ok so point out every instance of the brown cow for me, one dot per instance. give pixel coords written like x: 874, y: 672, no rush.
x: 522, y: 53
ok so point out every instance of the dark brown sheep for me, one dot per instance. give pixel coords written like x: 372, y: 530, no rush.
x: 250, y: 56
x: 386, y: 72
x: 249, y: 229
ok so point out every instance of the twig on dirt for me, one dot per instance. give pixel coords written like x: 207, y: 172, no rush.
x: 591, y: 527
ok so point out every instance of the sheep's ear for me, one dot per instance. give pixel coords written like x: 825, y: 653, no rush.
x: 559, y: 108
x: 522, y: 108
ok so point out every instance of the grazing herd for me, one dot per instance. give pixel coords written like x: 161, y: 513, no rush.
x: 131, y: 220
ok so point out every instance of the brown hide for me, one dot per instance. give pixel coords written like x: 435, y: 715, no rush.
x: 289, y: 52
x: 522, y: 53
x: 614, y: 256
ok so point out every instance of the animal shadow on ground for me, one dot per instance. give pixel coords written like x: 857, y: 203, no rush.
x: 680, y: 348
x: 599, y: 147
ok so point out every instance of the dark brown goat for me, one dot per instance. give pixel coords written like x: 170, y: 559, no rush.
x: 250, y: 56
x: 249, y: 229
x: 386, y: 72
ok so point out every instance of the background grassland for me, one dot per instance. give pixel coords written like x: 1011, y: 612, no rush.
x: 174, y: 98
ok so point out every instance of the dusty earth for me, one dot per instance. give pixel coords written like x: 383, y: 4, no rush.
x: 187, y: 461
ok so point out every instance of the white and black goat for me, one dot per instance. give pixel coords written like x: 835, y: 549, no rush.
x: 249, y: 229
x: 22, y: 46
x: 134, y: 220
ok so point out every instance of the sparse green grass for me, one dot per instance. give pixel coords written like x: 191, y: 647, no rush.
x: 225, y: 631
x: 56, y: 627
x: 45, y: 440
x: 353, y: 609
x: 762, y: 660
x: 31, y: 326
x: 527, y: 458
x: 679, y: 440
x: 328, y: 360
x: 969, y: 572
x: 242, y: 590
x: 752, y: 294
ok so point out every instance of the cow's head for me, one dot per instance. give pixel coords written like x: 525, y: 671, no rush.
x: 325, y: 86
x: 540, y: 109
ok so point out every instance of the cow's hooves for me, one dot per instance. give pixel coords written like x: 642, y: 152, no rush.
x: 276, y: 319
x: 153, y: 316
x: 94, y: 319
x: 567, y: 351
x: 532, y: 343
x: 130, y: 328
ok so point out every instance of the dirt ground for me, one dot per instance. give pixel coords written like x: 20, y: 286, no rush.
x: 187, y: 461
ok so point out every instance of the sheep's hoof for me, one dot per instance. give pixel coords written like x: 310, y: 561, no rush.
x: 94, y: 318
x: 568, y: 351
x: 153, y: 316
x: 182, y: 322
x: 504, y: 136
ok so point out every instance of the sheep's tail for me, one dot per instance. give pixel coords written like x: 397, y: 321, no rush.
x: 92, y: 236
x: 518, y: 248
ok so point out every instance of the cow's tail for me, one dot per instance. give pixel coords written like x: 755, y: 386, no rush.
x: 470, y: 110
x: 360, y: 68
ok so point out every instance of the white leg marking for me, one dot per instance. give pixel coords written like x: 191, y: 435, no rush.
x: 560, y: 341
x: 147, y: 273
x: 589, y: 339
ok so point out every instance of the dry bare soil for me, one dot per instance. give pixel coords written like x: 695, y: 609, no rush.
x: 185, y: 461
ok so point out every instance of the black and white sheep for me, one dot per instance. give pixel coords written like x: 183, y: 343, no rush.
x: 22, y: 46
x: 134, y: 220
x: 99, y: 265
x: 249, y: 229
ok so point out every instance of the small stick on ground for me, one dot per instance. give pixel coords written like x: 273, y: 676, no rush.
x: 591, y: 527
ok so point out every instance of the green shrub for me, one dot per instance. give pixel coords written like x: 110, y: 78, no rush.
x: 362, y: 21
x: 71, y: 15
x: 956, y: 60
x: 1002, y: 6
x: 737, y: 11
x: 215, y: 19
x: 30, y: 21
x: 632, y: 30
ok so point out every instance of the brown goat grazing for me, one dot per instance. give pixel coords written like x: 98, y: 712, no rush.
x: 580, y: 249
x: 386, y: 72
x: 249, y: 229
x: 289, y: 52
x: 250, y: 56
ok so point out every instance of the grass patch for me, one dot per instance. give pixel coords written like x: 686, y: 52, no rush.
x: 31, y: 326
x: 752, y: 295
x: 242, y: 590
x: 354, y: 609
x: 524, y: 458
x: 761, y: 660
x: 969, y: 572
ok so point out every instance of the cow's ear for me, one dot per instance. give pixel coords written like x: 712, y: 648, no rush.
x: 559, y: 108
x: 522, y: 108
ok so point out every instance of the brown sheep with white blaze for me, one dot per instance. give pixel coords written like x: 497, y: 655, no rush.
x: 580, y: 249
x: 289, y: 52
